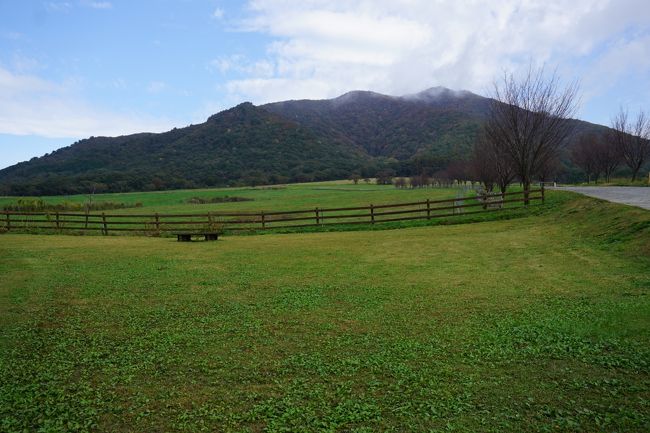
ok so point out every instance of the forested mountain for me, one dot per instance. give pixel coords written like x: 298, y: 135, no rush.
x: 243, y: 145
x: 288, y: 141
x: 436, y: 122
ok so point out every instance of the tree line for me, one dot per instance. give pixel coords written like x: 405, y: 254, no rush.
x: 529, y: 125
x: 527, y: 135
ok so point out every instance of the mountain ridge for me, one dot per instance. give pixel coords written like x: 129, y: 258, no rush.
x: 287, y: 141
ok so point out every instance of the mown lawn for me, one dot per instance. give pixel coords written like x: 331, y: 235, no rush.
x: 540, y: 323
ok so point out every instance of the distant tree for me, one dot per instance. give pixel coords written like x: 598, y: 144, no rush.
x: 608, y: 157
x: 426, y: 164
x: 550, y: 169
x: 583, y: 155
x: 425, y: 180
x: 385, y: 177
x: 400, y: 182
x: 503, y: 170
x: 490, y: 167
x: 457, y: 170
x: 632, y: 139
x: 528, y: 120
x: 482, y: 164
x: 157, y: 183
x: 366, y: 179
x: 355, y: 177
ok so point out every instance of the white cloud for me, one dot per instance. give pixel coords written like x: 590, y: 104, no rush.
x: 241, y: 64
x: 322, y: 48
x: 97, y: 4
x: 226, y: 64
x: 218, y: 13
x: 55, y: 6
x: 276, y: 89
x: 64, y: 6
x: 25, y: 64
x: 156, y: 87
x: 13, y: 36
x: 622, y: 57
x: 30, y: 105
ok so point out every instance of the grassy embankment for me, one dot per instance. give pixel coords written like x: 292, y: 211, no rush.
x: 642, y: 180
x: 540, y: 323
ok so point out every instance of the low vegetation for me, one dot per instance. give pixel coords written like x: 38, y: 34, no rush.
x: 39, y: 205
x: 619, y: 181
x: 536, y: 324
x: 220, y: 199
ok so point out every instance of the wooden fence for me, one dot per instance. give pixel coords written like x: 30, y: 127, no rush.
x: 236, y: 221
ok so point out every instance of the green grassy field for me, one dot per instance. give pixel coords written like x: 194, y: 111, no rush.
x: 535, y: 324
x: 276, y: 198
x: 306, y: 196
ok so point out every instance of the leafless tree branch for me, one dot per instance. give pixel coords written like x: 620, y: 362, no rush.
x: 528, y: 120
x: 632, y: 139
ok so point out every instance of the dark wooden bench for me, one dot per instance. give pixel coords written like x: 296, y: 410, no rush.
x: 187, y: 236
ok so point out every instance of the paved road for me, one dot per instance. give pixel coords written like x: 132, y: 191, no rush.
x: 633, y: 195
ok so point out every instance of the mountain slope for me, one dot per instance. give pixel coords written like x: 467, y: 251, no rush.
x: 243, y: 145
x: 437, y: 121
x: 288, y: 141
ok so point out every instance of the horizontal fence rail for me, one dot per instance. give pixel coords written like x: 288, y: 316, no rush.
x: 156, y: 223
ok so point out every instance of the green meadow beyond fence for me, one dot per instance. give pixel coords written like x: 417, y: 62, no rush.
x: 155, y: 223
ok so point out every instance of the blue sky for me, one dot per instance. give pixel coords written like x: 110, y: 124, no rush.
x: 70, y: 69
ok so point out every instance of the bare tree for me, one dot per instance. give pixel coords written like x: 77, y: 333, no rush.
x: 500, y: 165
x: 607, y: 155
x: 482, y: 163
x: 425, y: 180
x: 528, y: 120
x: 505, y: 174
x: 632, y: 138
x: 400, y: 182
x: 457, y: 170
x: 584, y: 156
x: 490, y: 167
x: 385, y: 177
x: 419, y: 180
x: 550, y: 169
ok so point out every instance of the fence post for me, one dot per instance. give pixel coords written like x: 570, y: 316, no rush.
x: 8, y: 220
x: 105, y: 224
x: 542, y: 192
x: 428, y: 209
x: 458, y: 202
x: 157, y: 222
x: 317, y: 216
x: 372, y: 214
x: 263, y: 220
x: 526, y: 194
x: 86, y: 223
x: 58, y: 223
x: 210, y: 221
